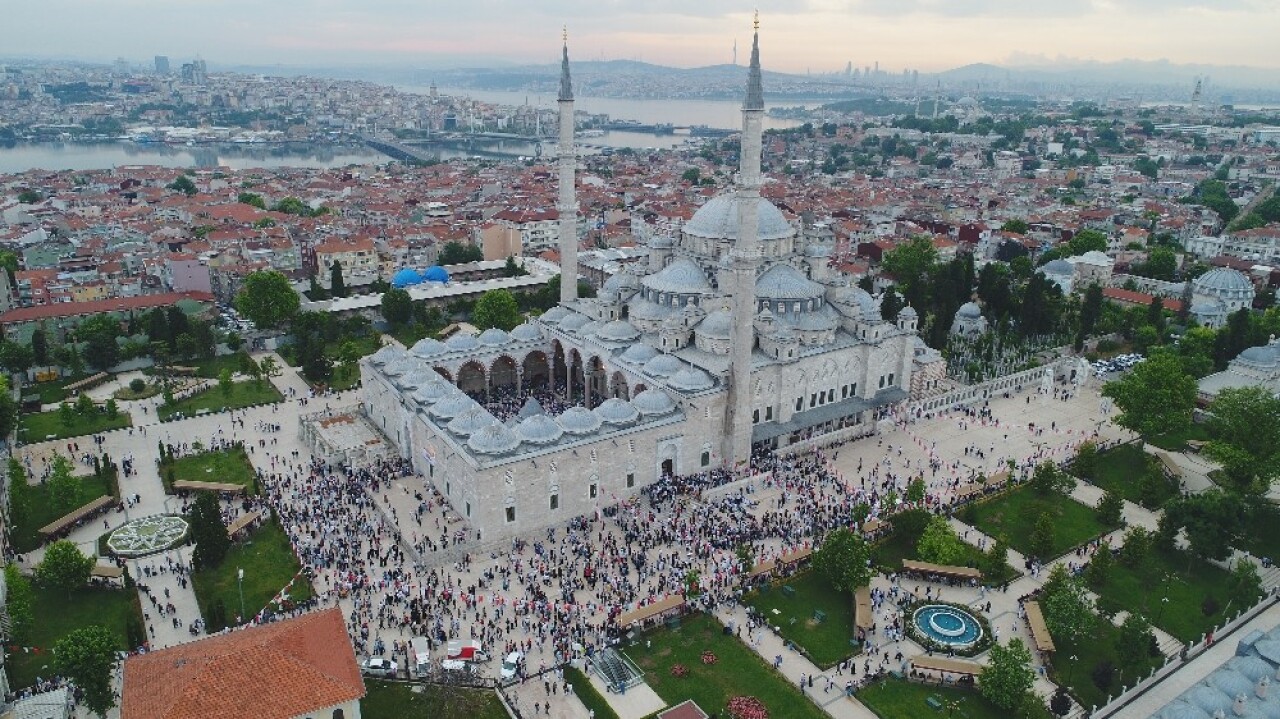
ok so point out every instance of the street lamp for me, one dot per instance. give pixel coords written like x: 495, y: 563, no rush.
x: 240, y: 582
x: 1071, y: 672
x: 1160, y: 613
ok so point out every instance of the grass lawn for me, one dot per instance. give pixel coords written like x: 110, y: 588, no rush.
x: 396, y: 700
x: 889, y: 552
x: 1185, y: 580
x: 737, y: 672
x: 1013, y: 515
x: 1121, y: 470
x: 41, y: 426
x: 1091, y: 648
x: 56, y: 614
x: 211, y: 368
x: 586, y: 691
x: 268, y: 562
x: 27, y: 537
x: 55, y: 391
x: 1177, y: 441
x: 230, y: 466
x: 900, y: 699
x: 826, y: 643
x: 243, y: 394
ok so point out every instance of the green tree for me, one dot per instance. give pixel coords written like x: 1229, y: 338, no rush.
x: 29, y: 197
x: 691, y: 176
x: 939, y: 543
x: 1099, y: 569
x: 1245, y: 585
x: 267, y: 298
x: 1161, y: 264
x: 916, y: 490
x: 1041, y: 539
x: 184, y: 185
x: 270, y: 368
x: 337, y: 285
x: 890, y: 305
x: 348, y: 356
x: 1136, y: 547
x: 40, y: 346
x: 1086, y: 462
x: 8, y: 410
x: 87, y: 656
x: 1156, y: 397
x: 496, y: 308
x: 844, y: 560
x: 1110, y: 508
x: 1246, y: 438
x: 292, y: 206
x: 19, y: 604
x: 1133, y: 642
x: 1048, y: 479
x: 397, y: 307
x: 1008, y: 676
x: 909, y: 263
x: 252, y: 199
x: 1068, y: 613
x: 996, y: 560
x: 66, y: 414
x: 64, y: 567
x: 512, y: 268
x: 99, y: 332
x: 85, y: 406
x: 456, y: 253
x: 1087, y: 241
x: 64, y: 489
x: 1015, y: 225
x: 113, y: 409
x: 16, y: 357
x: 1210, y: 519
x: 208, y: 532
x: 225, y: 385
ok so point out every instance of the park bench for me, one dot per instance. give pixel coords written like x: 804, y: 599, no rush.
x: 788, y: 590
x: 934, y: 702
x: 819, y: 616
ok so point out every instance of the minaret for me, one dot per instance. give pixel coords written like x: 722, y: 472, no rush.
x: 745, y: 263
x: 568, y: 202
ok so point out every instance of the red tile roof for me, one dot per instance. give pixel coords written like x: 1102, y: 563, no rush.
x: 93, y: 307
x: 276, y: 671
x: 1131, y: 297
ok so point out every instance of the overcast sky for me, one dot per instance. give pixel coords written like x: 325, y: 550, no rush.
x: 797, y: 35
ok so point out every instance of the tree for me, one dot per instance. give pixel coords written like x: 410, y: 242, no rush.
x: 8, y: 410
x: 1068, y: 613
x: 99, y: 332
x: 64, y: 489
x: 270, y: 368
x: 1136, y: 547
x: 1048, y: 479
x: 1245, y: 585
x: 456, y: 253
x: 890, y: 305
x: 909, y: 263
x: 29, y: 197
x: 184, y: 185
x: 1086, y: 462
x: 66, y: 414
x: 1087, y: 241
x: 19, y: 604
x: 1161, y: 264
x: 40, y: 346
x: 1246, y: 438
x: 64, y: 567
x: 267, y: 298
x: 1099, y: 569
x: 349, y: 355
x: 16, y: 357
x: 225, y: 385
x: 292, y: 206
x: 1155, y: 398
x: 1008, y: 676
x: 1110, y: 508
x: 87, y: 656
x: 691, y: 176
x: 113, y: 409
x: 916, y: 491
x: 337, y: 285
x: 513, y: 269
x: 496, y: 308
x: 1133, y: 642
x: 253, y: 199
x: 1041, y: 539
x: 939, y: 543
x: 996, y: 560
x: 1015, y: 225
x: 1210, y: 519
x: 397, y: 307
x: 844, y: 560
x: 208, y: 532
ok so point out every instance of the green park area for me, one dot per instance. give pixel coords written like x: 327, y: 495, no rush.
x: 268, y: 563
x: 1129, y: 472
x: 810, y: 613
x: 55, y: 424
x: 56, y: 614
x: 895, y: 698
x: 1014, y: 515
x: 54, y: 391
x: 397, y: 700
x: 40, y: 508
x: 737, y: 671
x: 903, y: 541
x: 1177, y: 441
x: 228, y: 466
x: 220, y: 399
x: 587, y: 693
x: 1096, y: 662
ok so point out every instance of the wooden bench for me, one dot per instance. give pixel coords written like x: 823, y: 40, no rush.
x: 71, y: 518
x: 934, y: 702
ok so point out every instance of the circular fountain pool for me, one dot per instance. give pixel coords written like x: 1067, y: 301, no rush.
x: 948, y: 625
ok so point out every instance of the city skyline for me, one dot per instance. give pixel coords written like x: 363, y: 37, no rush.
x: 812, y: 35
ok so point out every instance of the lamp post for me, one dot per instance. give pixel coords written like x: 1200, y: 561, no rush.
x: 1071, y: 672
x: 1160, y: 613
x: 240, y: 583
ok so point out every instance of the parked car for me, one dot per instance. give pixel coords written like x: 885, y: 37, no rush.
x: 378, y: 667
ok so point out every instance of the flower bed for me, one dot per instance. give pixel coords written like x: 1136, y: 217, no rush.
x: 679, y: 671
x: 709, y: 657
x: 746, y: 708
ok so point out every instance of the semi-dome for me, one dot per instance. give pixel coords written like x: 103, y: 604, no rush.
x: 453, y: 406
x: 462, y: 341
x: 526, y: 332
x: 493, y: 337
x: 716, y: 325
x: 538, y: 429
x: 969, y: 309
x: 645, y: 310
x: 691, y: 379
x: 578, y: 420
x: 385, y: 355
x: 639, y: 353
x: 662, y: 366
x: 434, y: 391
x: 435, y: 273
x: 853, y: 297
x: 718, y: 220
x: 1058, y: 267
x: 574, y: 322
x: 618, y: 331
x: 683, y: 277
x: 653, y: 402
x: 405, y: 278
x: 428, y: 347
x: 784, y: 282
x: 617, y: 411
x: 554, y: 315
x: 816, y: 322
x: 1222, y: 279
x: 493, y: 439
x: 470, y: 422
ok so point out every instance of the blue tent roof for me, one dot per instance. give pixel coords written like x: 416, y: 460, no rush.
x: 406, y: 277
x: 435, y: 273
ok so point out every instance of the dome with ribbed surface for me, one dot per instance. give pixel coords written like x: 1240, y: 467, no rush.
x: 578, y: 420
x: 716, y: 325
x: 1252, y: 667
x: 428, y: 347
x: 538, y: 429
x: 385, y: 355
x: 718, y: 220
x: 493, y: 439
x: 403, y: 365
x: 435, y: 273
x: 526, y: 333
x: 1230, y: 682
x: 1222, y: 279
x: 493, y: 337
x: 470, y: 422
x: 574, y: 322
x: 969, y: 309
x: 415, y: 379
x: 453, y: 406
x: 784, y: 282
x: 683, y: 277
x: 691, y: 379
x: 653, y: 402
x: 406, y: 278
x: 639, y: 353
x: 1058, y: 267
x: 461, y: 342
x: 662, y: 366
x: 434, y: 391
x: 618, y: 331
x: 617, y: 411
x: 1209, y: 699
x: 907, y: 311
x: 554, y: 315
x: 1182, y: 710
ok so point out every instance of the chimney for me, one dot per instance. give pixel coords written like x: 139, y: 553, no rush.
x: 1238, y: 707
x: 1261, y: 689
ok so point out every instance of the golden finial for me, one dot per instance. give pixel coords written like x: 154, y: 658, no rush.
x: 756, y: 22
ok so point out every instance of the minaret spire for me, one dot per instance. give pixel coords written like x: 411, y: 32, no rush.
x: 567, y: 205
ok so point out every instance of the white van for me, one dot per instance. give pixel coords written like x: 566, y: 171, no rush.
x: 420, y: 656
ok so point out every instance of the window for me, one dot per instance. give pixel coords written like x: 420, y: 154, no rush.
x: 631, y: 480
x: 768, y: 413
x: 511, y: 514
x: 468, y: 509
x: 593, y: 490
x: 631, y: 444
x: 448, y: 488
x: 755, y: 416
x: 854, y: 391
x: 799, y: 403
x: 594, y: 457
x: 844, y: 392
x: 813, y: 400
x: 706, y: 459
x: 891, y: 375
x: 881, y: 381
x: 554, y: 503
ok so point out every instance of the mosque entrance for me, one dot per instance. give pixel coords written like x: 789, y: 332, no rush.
x: 668, y: 468
x: 503, y: 377
x: 536, y: 372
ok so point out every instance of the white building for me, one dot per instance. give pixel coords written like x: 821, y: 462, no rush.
x: 1218, y: 293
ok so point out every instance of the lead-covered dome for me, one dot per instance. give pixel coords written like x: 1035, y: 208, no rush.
x: 494, y: 337
x: 617, y: 411
x: 718, y: 220
x: 683, y: 277
x: 970, y: 310
x: 526, y: 332
x: 554, y: 315
x: 461, y: 342
x: 652, y: 402
x: 716, y: 325
x: 453, y: 406
x: 428, y: 347
x: 579, y: 420
x: 470, y: 422
x: 384, y: 355
x: 618, y: 331
x: 402, y: 365
x: 493, y: 439
x: 662, y: 366
x: 538, y: 429
x: 691, y: 379
x: 784, y: 282
x: 415, y: 379
x: 435, y: 390
x: 639, y: 353
x: 574, y: 322
x: 1222, y: 279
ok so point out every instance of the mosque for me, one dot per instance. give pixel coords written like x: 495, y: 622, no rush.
x: 734, y: 336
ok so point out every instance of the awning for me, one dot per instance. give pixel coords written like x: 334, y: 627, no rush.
x: 67, y: 520
x: 189, y: 485
x: 820, y: 415
x: 1039, y: 630
x: 241, y: 523
x: 106, y: 571
x: 912, y: 565
x: 942, y: 664
x: 649, y: 611
x: 863, y: 616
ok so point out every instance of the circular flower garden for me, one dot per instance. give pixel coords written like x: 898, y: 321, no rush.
x: 147, y: 535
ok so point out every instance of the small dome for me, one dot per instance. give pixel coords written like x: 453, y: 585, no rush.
x: 385, y: 355
x: 403, y: 365
x: 554, y: 315
x: 428, y: 347
x: 405, y: 278
x: 816, y: 322
x: 434, y: 391
x: 1058, y: 267
x: 462, y: 341
x: 494, y: 337
x: 618, y: 331
x: 526, y: 332
x: 969, y: 309
x: 578, y: 420
x: 1231, y: 682
x: 1209, y: 699
x: 907, y: 311
x: 653, y: 402
x: 661, y: 242
x: 1264, y: 356
x: 639, y: 353
x: 817, y: 250
x: 853, y: 296
x: 471, y: 421
x: 617, y: 411
x: 590, y: 327
x: 538, y: 429
x: 691, y: 379
x: 717, y: 325
x: 622, y: 280
x: 646, y: 310
x: 1252, y: 667
x: 1222, y: 279
x: 683, y: 276
x: 493, y: 439
x: 453, y: 406
x: 718, y: 220
x: 415, y: 379
x: 435, y: 273
x: 574, y: 322
x: 784, y: 282
x: 662, y: 366
x: 1180, y: 709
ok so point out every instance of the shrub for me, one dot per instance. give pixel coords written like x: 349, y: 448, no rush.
x: 137, y: 385
x: 1061, y: 702
x: 1104, y: 673
x: 746, y: 708
x: 1209, y: 606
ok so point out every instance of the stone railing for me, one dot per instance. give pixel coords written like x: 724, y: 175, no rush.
x: 972, y: 394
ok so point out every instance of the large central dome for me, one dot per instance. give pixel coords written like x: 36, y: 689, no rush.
x: 718, y: 220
